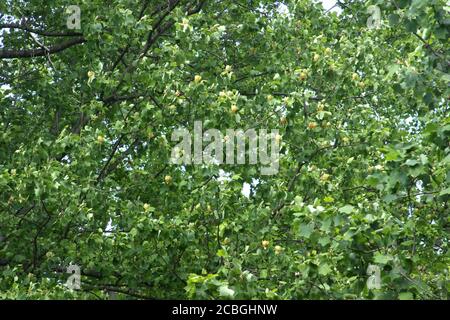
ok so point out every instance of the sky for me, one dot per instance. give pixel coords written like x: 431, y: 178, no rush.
x: 328, y: 3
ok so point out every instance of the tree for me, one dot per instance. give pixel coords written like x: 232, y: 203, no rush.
x: 86, y: 123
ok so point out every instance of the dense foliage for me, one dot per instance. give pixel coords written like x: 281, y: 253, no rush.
x: 86, y: 118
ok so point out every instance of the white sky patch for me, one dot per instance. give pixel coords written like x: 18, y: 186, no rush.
x: 246, y: 190
x: 283, y: 9
x: 331, y: 4
x: 328, y: 5
x: 109, y: 227
x: 246, y: 187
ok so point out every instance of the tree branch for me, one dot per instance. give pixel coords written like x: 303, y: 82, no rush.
x: 38, y: 31
x: 31, y: 53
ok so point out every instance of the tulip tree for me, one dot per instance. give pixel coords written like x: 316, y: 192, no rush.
x: 86, y: 118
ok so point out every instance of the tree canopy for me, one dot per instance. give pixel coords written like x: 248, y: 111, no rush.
x: 86, y: 117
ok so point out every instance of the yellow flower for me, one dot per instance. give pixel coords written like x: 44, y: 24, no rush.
x: 100, y: 139
x: 91, y: 76
x: 278, y: 249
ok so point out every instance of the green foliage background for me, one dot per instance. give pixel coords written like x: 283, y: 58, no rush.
x: 364, y: 172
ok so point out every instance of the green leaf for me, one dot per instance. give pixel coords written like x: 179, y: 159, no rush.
x: 393, y: 19
x: 221, y: 253
x: 347, y: 209
x: 323, y: 241
x: 411, y: 162
x: 225, y: 291
x: 324, y: 269
x: 305, y: 230
x: 263, y: 274
x: 405, y: 296
x: 381, y: 258
x: 392, y: 155
x: 445, y: 192
x: 411, y: 26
